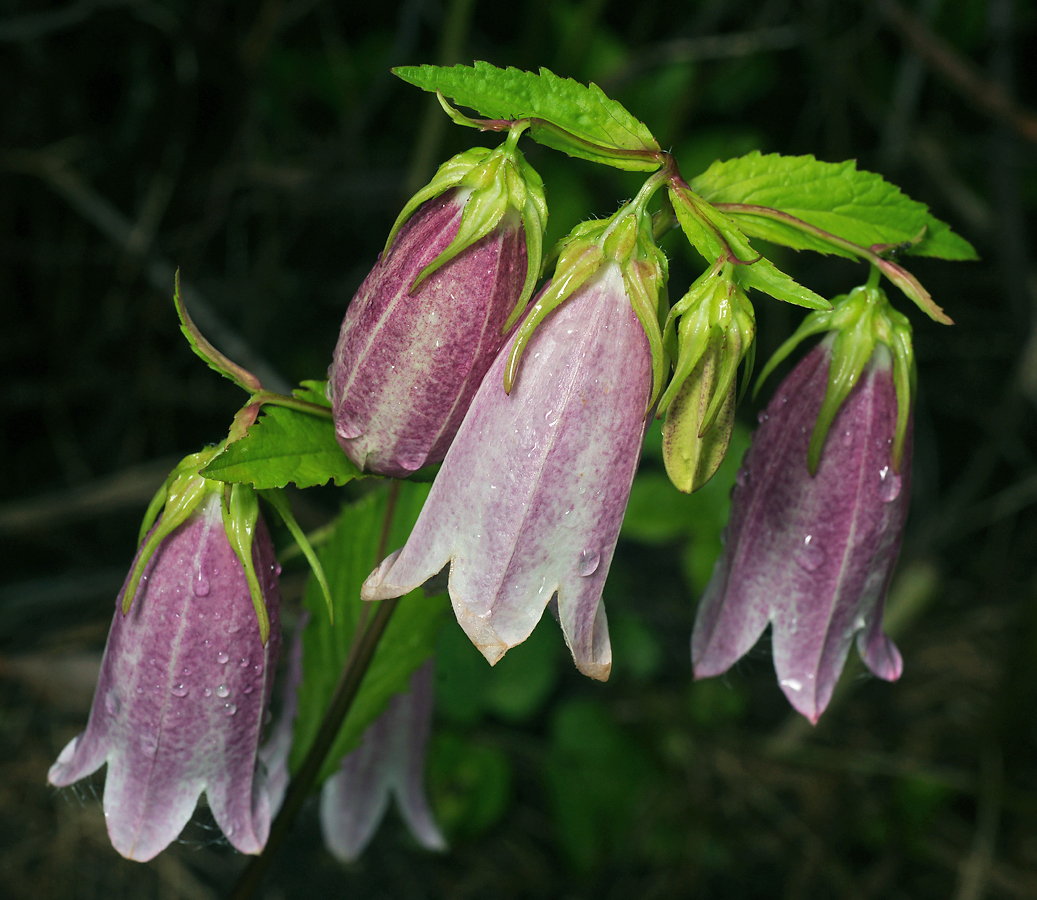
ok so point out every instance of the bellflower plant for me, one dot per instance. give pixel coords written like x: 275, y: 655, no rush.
x: 531, y: 495
x: 459, y: 267
x: 186, y: 675
x: 818, y: 509
x: 389, y: 761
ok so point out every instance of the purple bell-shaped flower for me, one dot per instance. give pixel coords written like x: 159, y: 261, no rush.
x: 427, y: 322
x: 185, y: 683
x: 811, y: 550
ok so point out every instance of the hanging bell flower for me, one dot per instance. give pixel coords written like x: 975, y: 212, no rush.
x: 186, y: 675
x: 530, y: 498
x: 458, y: 269
x: 818, y: 509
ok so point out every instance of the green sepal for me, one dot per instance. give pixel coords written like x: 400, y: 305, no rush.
x: 279, y: 501
x: 857, y: 322
x: 240, y: 514
x: 497, y: 188
x: 851, y: 350
x: 693, y: 450
x: 715, y: 236
x: 578, y: 261
x: 447, y: 176
x: 178, y: 497
x: 201, y: 346
x: 644, y: 276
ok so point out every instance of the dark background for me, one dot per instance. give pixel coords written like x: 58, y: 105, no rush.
x: 265, y: 149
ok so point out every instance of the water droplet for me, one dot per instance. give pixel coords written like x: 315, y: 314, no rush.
x: 859, y: 623
x: 201, y: 584
x: 228, y: 830
x: 257, y: 668
x: 793, y: 625
x: 243, y: 663
x: 179, y: 691
x: 233, y: 627
x: 222, y: 658
x: 762, y: 416
x: 551, y: 417
x: 185, y: 670
x: 277, y: 568
x: 791, y: 683
x: 229, y: 709
x: 247, y: 689
x: 810, y: 556
x: 207, y: 692
x: 149, y: 744
x: 742, y: 478
x: 111, y: 703
x: 588, y: 562
x: 889, y: 485
x: 223, y: 691
x: 847, y: 438
x: 140, y: 690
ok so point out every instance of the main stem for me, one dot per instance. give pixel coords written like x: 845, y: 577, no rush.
x: 353, y: 671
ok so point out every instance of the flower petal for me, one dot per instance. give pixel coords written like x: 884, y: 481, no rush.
x: 406, y: 367
x: 813, y: 555
x: 531, y: 495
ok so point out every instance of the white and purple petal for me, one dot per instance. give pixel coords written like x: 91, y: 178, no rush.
x: 532, y: 493
x: 811, y: 555
x: 390, y: 760
x: 407, y: 366
x: 183, y: 689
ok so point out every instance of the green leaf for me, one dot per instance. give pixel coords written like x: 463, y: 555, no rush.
x: 942, y: 243
x: 348, y: 557
x: 852, y: 204
x: 597, y: 778
x: 285, y: 446
x: 577, y: 119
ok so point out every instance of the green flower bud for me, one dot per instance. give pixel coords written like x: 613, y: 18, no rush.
x: 709, y: 332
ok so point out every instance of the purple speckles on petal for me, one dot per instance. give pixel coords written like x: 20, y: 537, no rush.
x: 154, y: 721
x: 812, y: 556
x: 562, y: 450
x: 406, y: 366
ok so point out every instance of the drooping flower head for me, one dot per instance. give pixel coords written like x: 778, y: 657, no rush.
x: 458, y: 268
x: 389, y: 761
x: 186, y: 674
x: 531, y: 495
x: 818, y: 509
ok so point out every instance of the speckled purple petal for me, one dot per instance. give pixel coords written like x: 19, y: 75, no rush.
x: 407, y: 366
x: 531, y: 496
x: 389, y: 759
x: 183, y: 689
x: 812, y: 556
